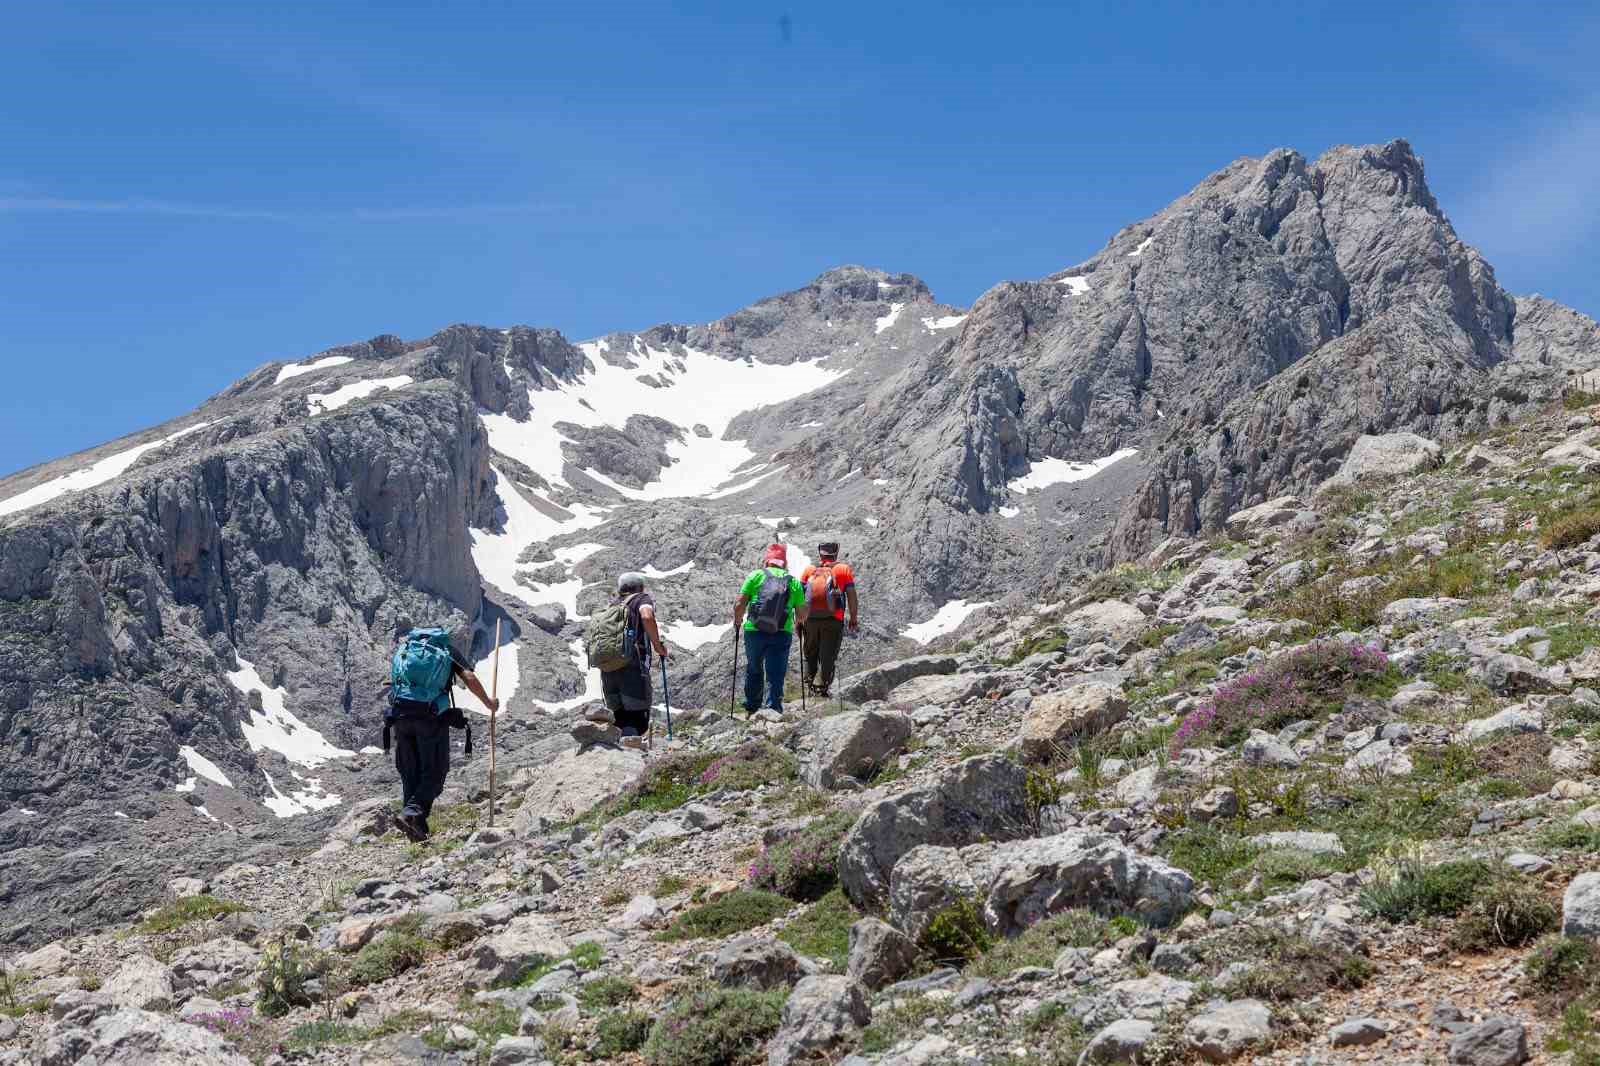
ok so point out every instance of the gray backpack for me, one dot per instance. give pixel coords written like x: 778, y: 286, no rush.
x: 771, y: 608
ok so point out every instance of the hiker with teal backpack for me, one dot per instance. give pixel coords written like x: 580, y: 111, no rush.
x: 770, y: 602
x: 421, y: 713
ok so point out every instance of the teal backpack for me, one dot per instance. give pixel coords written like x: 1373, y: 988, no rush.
x: 419, y: 670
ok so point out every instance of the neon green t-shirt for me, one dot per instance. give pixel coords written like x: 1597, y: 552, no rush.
x: 752, y: 588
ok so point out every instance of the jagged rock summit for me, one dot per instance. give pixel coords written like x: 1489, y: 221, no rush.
x: 194, y: 620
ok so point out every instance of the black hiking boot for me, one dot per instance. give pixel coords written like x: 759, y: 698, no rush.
x: 414, y: 828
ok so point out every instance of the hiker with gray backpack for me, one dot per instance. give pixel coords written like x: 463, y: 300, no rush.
x: 618, y: 642
x: 421, y: 713
x: 770, y: 602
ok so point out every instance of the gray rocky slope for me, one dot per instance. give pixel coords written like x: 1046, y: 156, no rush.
x: 259, y: 556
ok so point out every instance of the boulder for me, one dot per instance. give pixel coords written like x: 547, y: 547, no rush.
x: 1285, y: 514
x: 878, y: 682
x: 524, y: 943
x: 1120, y: 1042
x: 1384, y: 455
x: 1419, y: 609
x: 982, y: 798
x: 140, y: 982
x: 1506, y: 673
x: 1290, y: 575
x: 1029, y: 880
x: 925, y: 881
x: 589, y: 733
x: 1111, y: 622
x: 1230, y: 1030
x: 1148, y: 998
x: 940, y: 690
x: 1261, y: 748
x: 52, y: 960
x: 760, y: 962
x: 185, y: 887
x: 519, y: 1050
x: 1497, y: 1041
x: 550, y: 617
x: 879, y: 953
x: 573, y: 782
x: 1580, y: 907
x: 1221, y: 802
x: 1300, y: 840
x: 131, y: 1037
x: 1480, y: 458
x: 370, y: 818
x: 643, y: 912
x: 1358, y: 1032
x: 1055, y: 719
x: 821, y: 1015
x: 846, y: 748
x: 1517, y: 718
x: 212, y: 963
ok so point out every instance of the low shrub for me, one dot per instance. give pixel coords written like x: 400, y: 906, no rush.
x: 1505, y: 913
x: 956, y: 935
x: 743, y: 909
x: 751, y: 764
x: 714, y: 1026
x: 1563, y: 966
x: 899, y: 1019
x: 1298, y: 684
x: 621, y: 1032
x: 1285, y: 968
x: 804, y: 865
x: 1415, y: 890
x: 286, y: 969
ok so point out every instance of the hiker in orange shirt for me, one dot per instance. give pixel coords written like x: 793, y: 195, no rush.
x: 830, y: 589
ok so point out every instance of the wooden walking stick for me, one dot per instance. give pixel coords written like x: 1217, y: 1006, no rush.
x: 494, y: 695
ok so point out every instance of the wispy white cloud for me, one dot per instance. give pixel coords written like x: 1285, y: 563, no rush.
x: 223, y: 212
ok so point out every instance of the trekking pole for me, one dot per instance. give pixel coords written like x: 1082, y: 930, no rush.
x: 666, y: 696
x: 494, y: 697
x: 802, y: 634
x: 733, y: 685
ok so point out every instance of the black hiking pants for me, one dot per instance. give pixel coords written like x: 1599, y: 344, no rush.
x: 824, y: 637
x: 627, y: 694
x: 422, y: 755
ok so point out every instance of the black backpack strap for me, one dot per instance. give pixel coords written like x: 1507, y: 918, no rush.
x: 468, y: 749
x: 387, y: 725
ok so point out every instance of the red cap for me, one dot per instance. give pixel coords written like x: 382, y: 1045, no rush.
x: 776, y: 553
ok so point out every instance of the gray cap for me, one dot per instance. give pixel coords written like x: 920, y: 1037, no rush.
x: 632, y: 581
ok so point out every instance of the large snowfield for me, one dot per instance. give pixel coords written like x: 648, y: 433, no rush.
x: 97, y: 473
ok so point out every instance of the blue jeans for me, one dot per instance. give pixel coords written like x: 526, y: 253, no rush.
x: 765, y: 653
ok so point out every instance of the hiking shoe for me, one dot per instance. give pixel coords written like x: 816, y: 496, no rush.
x: 413, y: 831
x: 634, y: 742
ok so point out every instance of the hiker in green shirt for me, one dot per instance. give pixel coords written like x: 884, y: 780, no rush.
x: 770, y: 601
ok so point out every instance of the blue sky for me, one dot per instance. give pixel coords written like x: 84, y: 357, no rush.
x: 188, y: 191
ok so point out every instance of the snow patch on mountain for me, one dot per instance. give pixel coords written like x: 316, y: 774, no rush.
x: 294, y: 370
x: 275, y: 728
x: 889, y: 319
x: 1137, y: 252
x: 946, y: 619
x: 301, y: 801
x: 1076, y: 286
x: 651, y: 572
x: 524, y: 524
x: 689, y: 636
x: 591, y: 684
x: 685, y: 390
x: 97, y: 473
x: 1047, y: 472
x: 323, y: 402
x: 946, y: 322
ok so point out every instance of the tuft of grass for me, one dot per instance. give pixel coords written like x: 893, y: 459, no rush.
x: 743, y: 909
x: 669, y: 885
x: 822, y: 930
x: 1415, y: 890
x: 607, y: 991
x: 714, y: 1026
x: 190, y: 909
x: 901, y: 1019
x: 390, y: 955
x: 1039, y: 944
x: 1208, y: 853
x: 1563, y: 966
